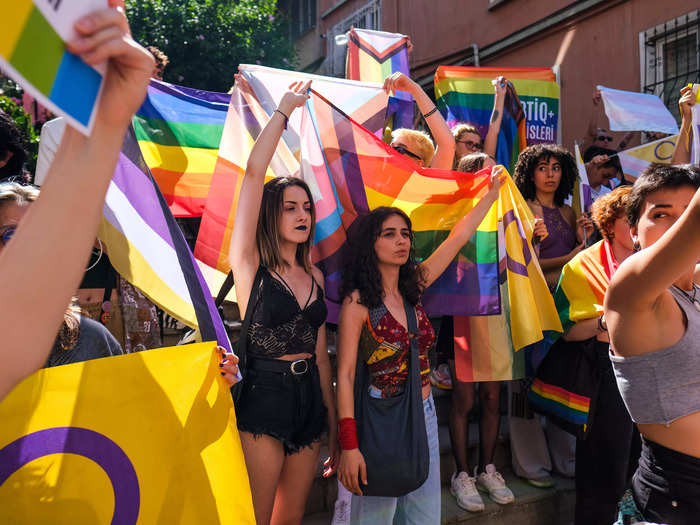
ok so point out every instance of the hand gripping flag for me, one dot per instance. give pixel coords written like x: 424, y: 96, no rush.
x: 136, y: 439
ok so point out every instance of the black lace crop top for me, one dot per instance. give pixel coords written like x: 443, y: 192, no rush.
x: 278, y: 324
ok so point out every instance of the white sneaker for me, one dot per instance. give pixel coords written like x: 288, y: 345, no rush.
x: 492, y: 482
x: 463, y: 488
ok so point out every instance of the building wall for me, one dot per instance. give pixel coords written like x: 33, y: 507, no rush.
x: 598, y: 44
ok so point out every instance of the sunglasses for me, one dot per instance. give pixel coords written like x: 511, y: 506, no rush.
x: 472, y: 145
x: 601, y: 137
x: 7, y: 234
x: 404, y: 151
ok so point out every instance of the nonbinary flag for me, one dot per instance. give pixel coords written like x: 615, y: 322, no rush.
x: 631, y: 111
x: 179, y: 130
x: 142, y: 438
x: 147, y: 248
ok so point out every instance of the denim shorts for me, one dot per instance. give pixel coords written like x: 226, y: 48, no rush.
x: 283, y: 405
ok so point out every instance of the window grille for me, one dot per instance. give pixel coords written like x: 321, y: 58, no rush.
x: 369, y: 16
x: 670, y: 58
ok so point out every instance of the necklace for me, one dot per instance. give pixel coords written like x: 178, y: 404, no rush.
x: 695, y: 302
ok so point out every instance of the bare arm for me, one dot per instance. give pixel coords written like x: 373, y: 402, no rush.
x: 681, y: 153
x: 596, y: 110
x: 557, y: 263
x: 491, y: 140
x: 438, y: 261
x: 582, y: 330
x: 351, y: 470
x: 326, y: 379
x: 657, y: 267
x: 444, y: 140
x: 35, y: 265
x: 243, y: 254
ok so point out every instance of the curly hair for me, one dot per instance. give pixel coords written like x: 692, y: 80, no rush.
x: 361, y: 271
x: 608, y: 208
x: 524, y: 173
x: 161, y: 59
x: 12, y: 142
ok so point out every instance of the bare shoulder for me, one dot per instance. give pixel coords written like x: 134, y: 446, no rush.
x: 318, y: 276
x: 352, y: 308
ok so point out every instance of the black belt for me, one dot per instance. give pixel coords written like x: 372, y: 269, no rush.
x: 297, y: 368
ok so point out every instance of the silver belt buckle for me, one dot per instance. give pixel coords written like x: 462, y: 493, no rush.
x: 299, y: 371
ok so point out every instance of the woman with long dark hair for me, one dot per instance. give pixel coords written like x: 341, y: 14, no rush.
x: 286, y: 401
x: 382, y: 283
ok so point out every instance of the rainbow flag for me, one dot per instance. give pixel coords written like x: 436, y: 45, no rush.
x: 351, y: 172
x: 148, y: 437
x: 179, y: 130
x: 33, y: 52
x: 512, y: 343
x: 583, y: 283
x: 635, y: 160
x: 466, y: 95
x: 250, y: 109
x: 562, y: 390
x: 373, y: 56
x: 147, y: 248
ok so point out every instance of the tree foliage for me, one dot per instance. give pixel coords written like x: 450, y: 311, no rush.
x: 205, y: 40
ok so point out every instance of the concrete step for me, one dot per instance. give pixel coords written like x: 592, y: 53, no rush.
x: 532, y: 506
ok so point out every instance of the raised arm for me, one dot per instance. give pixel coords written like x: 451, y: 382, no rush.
x: 46, y: 257
x: 243, y: 255
x: 681, y: 153
x: 596, y: 111
x: 444, y: 141
x: 351, y: 470
x: 438, y: 261
x: 491, y: 140
x: 642, y: 278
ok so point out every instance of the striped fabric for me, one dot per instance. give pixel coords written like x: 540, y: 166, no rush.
x: 375, y: 55
x: 249, y: 111
x: 352, y: 172
x: 465, y: 95
x: 556, y: 400
x: 179, y: 130
x: 147, y: 248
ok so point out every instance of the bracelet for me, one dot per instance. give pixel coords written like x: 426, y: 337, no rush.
x: 602, y: 326
x: 347, y: 434
x: 430, y: 112
x: 286, y: 118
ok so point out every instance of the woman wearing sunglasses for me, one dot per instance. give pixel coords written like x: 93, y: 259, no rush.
x: 417, y: 145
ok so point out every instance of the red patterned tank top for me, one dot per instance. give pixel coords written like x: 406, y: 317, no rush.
x: 384, y: 346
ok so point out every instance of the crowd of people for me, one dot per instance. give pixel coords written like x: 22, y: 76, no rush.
x: 641, y: 444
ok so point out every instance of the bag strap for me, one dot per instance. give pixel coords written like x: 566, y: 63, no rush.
x: 252, y: 303
x: 412, y: 324
x: 224, y: 290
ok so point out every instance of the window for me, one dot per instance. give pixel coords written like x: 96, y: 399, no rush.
x: 367, y: 17
x: 670, y: 55
x: 302, y: 15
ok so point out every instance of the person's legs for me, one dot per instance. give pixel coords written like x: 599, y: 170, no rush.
x: 527, y: 440
x: 372, y: 510
x: 295, y: 481
x: 422, y: 506
x: 462, y: 404
x: 562, y: 449
x: 488, y: 425
x: 264, y: 457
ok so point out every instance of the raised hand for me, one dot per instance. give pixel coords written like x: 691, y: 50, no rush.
x: 296, y: 97
x: 686, y: 102
x: 398, y: 82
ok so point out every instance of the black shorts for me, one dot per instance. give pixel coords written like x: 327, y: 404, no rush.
x: 278, y: 403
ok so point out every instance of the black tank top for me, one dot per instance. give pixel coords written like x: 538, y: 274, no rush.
x: 278, y: 324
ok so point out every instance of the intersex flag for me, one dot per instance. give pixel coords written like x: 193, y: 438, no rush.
x: 142, y: 438
x: 179, y: 130
x: 351, y: 172
x: 511, y: 344
x: 147, y: 248
x: 373, y: 56
x: 632, y: 111
x: 559, y: 390
x: 252, y: 104
x: 635, y: 160
x: 465, y: 95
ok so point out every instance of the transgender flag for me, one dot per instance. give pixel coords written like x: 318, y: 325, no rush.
x: 147, y: 248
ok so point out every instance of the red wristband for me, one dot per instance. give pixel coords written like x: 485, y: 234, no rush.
x: 347, y: 434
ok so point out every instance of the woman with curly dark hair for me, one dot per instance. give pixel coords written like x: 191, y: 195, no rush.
x: 381, y: 283
x: 545, y: 175
x: 12, y: 149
